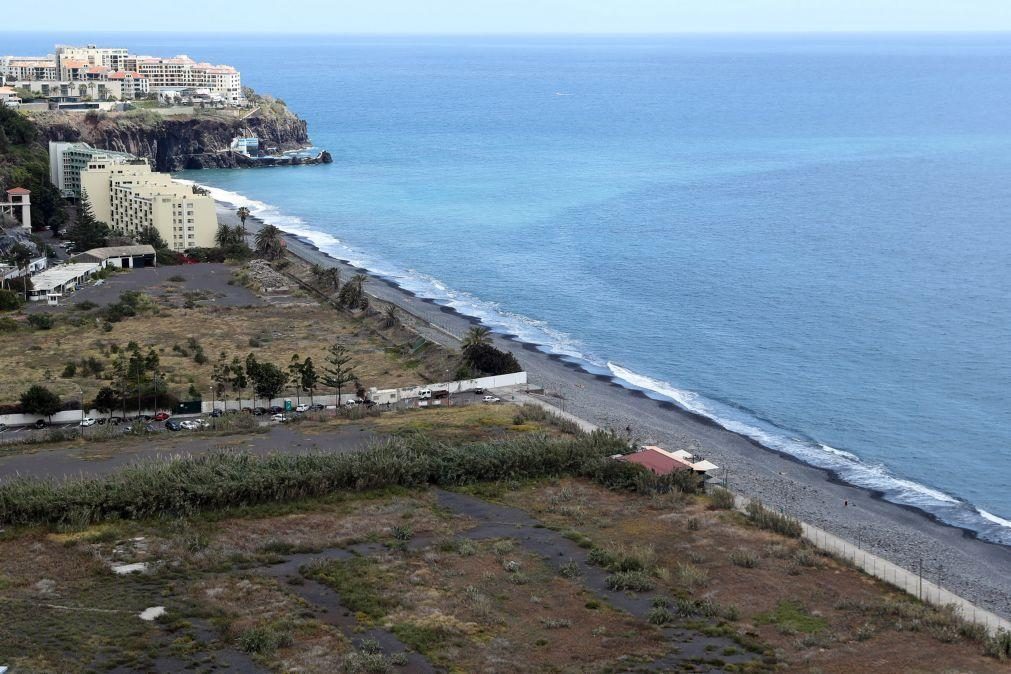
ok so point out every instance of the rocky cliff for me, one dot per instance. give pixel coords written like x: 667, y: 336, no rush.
x: 173, y: 143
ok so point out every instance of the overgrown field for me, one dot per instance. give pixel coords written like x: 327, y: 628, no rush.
x: 80, y: 347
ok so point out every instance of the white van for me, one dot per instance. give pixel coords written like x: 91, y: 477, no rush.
x: 425, y: 393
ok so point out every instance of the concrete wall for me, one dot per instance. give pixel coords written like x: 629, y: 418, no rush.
x: 380, y: 396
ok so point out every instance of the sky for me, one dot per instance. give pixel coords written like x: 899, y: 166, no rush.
x: 521, y: 16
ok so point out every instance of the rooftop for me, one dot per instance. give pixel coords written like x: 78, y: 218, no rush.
x: 54, y: 277
x: 117, y: 251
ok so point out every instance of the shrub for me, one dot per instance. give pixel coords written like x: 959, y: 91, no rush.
x: 86, y: 305
x: 10, y: 300
x: 744, y: 558
x: 264, y: 640
x: 69, y: 371
x: 570, y: 569
x: 721, y: 499
x: 999, y: 645
x: 217, y: 480
x: 40, y: 321
x: 660, y: 615
x: 632, y: 581
x: 691, y: 575
x: 177, y: 278
x: 773, y: 521
x: 8, y: 324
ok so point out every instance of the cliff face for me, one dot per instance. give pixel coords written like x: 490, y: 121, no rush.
x: 173, y: 143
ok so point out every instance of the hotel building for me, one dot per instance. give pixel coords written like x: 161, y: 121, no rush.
x: 130, y: 198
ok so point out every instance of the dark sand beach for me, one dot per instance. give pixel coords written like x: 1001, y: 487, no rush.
x: 976, y: 570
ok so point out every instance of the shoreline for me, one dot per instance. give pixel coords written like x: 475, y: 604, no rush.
x: 953, y: 557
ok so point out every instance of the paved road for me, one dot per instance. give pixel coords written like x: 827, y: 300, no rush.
x: 93, y: 459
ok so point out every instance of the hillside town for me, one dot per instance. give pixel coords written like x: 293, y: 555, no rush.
x: 100, y: 78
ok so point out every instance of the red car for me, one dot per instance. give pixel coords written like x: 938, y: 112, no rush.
x: 162, y: 416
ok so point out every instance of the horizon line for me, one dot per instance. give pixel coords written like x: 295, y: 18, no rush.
x: 799, y: 31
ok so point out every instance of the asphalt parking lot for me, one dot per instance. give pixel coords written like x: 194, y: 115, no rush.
x: 210, y: 280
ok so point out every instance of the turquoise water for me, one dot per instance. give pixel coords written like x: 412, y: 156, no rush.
x: 805, y: 238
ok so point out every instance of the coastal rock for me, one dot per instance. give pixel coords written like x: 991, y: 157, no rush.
x: 174, y: 143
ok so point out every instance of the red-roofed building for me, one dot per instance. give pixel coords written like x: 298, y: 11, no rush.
x: 660, y: 463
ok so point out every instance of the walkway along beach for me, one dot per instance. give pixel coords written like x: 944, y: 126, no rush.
x: 949, y: 557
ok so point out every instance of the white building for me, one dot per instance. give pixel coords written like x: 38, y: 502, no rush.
x: 183, y: 72
x: 67, y: 160
x: 131, y: 198
x: 58, y: 281
x: 29, y: 68
x: 9, y: 98
x: 109, y: 57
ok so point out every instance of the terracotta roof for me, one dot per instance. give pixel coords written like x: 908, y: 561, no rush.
x: 658, y: 462
x: 19, y: 190
x: 73, y: 64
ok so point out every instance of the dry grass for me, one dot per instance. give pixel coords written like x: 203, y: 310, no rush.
x: 281, y: 331
x: 772, y: 580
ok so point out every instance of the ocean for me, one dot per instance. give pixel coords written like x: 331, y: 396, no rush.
x: 805, y: 238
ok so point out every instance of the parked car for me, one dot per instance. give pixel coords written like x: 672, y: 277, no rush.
x: 173, y: 425
x: 162, y: 416
x: 317, y: 407
x: 302, y: 408
x: 247, y: 410
x: 41, y: 423
x: 142, y: 417
x: 478, y: 391
x: 277, y: 417
x: 216, y: 413
x: 88, y: 421
x: 425, y: 393
x: 352, y: 402
x: 491, y: 399
x: 275, y: 409
x: 3, y: 427
x: 115, y: 421
x: 189, y: 425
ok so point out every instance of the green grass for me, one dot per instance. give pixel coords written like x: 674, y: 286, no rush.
x: 355, y: 581
x: 422, y: 638
x: 792, y: 615
x: 773, y: 521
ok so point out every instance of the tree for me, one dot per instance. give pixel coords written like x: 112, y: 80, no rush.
x: 40, y: 400
x: 339, y: 373
x: 390, y: 317
x: 21, y: 256
x: 352, y: 295
x: 106, y: 400
x: 476, y: 336
x: 237, y: 379
x: 268, y: 379
x: 243, y: 213
x: 491, y: 361
x: 232, y: 242
x: 309, y: 378
x: 295, y: 376
x: 268, y: 242
x: 87, y: 232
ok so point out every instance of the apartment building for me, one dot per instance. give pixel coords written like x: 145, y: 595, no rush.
x: 112, y: 58
x: 16, y: 68
x: 183, y: 72
x: 131, y: 198
x: 120, y: 86
x: 136, y: 75
x: 67, y: 160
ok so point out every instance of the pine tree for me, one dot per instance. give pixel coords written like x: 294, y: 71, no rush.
x: 87, y: 232
x: 339, y: 373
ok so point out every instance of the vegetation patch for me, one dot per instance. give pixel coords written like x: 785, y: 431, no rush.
x: 791, y: 615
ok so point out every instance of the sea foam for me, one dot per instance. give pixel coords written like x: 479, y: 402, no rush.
x: 846, y: 465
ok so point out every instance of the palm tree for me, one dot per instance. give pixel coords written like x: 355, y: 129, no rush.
x: 21, y: 256
x: 476, y: 336
x: 318, y: 274
x: 390, y: 316
x: 269, y: 243
x: 333, y: 278
x: 243, y: 213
